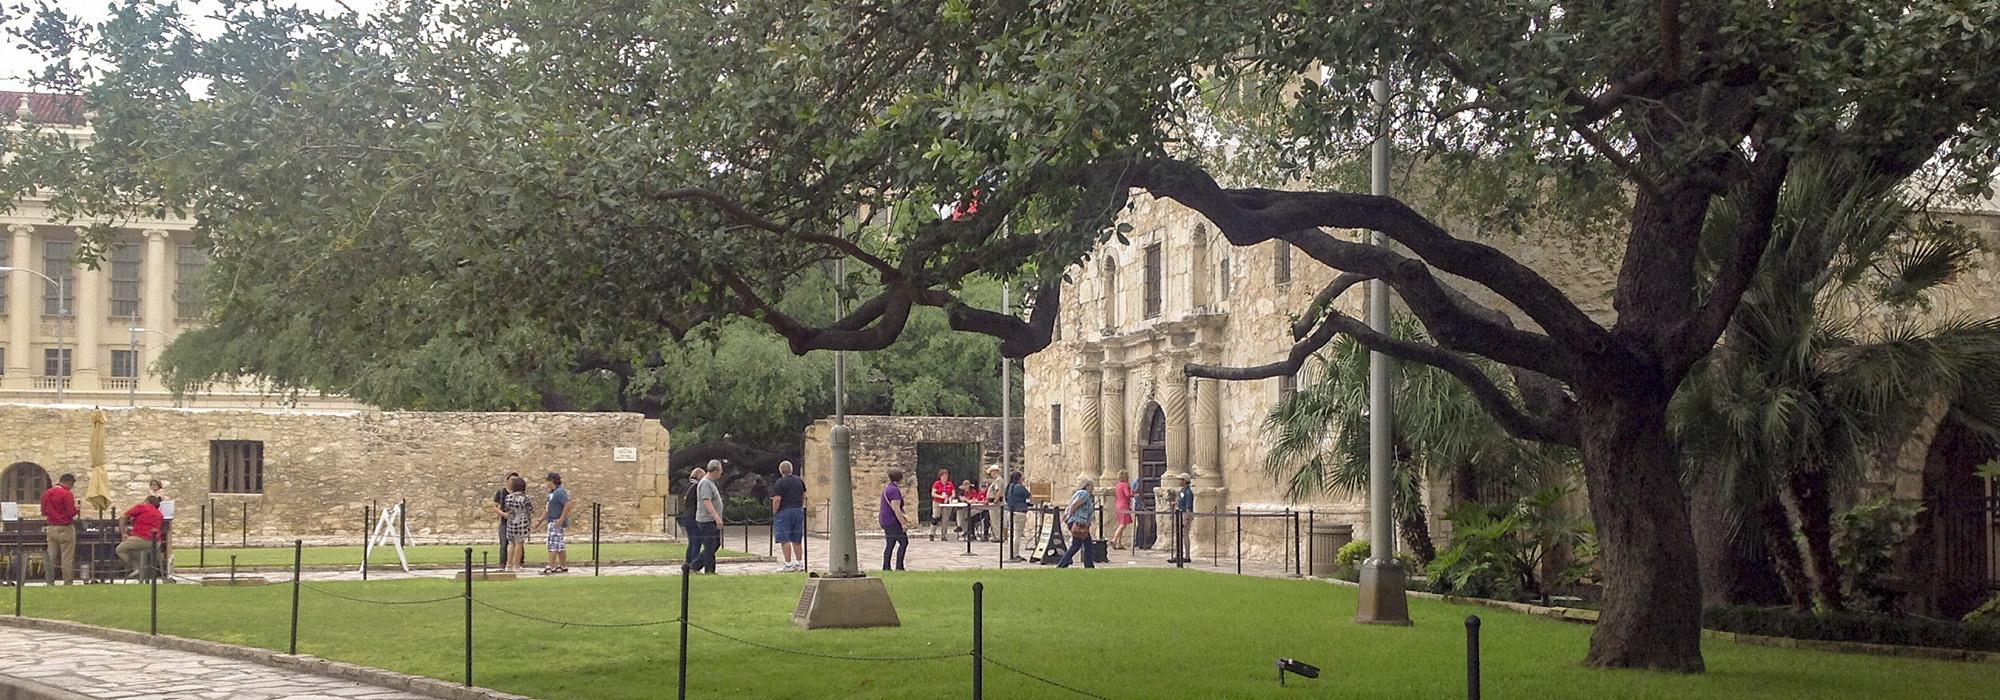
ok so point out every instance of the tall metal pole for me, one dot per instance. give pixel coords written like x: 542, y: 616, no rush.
x: 841, y: 561
x: 1382, y: 599
x: 132, y: 390
x: 1006, y: 397
x: 62, y: 339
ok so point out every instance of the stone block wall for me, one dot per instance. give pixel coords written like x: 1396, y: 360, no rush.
x: 880, y: 442
x: 321, y: 468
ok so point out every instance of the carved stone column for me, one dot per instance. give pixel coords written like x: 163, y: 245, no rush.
x: 21, y: 312
x: 1089, y: 428
x: 1113, y: 406
x: 154, y: 307
x: 1174, y: 402
x: 1207, y: 437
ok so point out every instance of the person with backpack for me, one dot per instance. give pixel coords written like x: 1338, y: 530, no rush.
x: 1082, y: 507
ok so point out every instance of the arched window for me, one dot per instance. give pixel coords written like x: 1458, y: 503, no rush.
x: 23, y: 482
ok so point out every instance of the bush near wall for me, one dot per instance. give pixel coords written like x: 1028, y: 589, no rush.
x: 1868, y: 628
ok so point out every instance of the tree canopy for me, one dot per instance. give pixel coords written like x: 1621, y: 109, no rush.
x: 620, y: 171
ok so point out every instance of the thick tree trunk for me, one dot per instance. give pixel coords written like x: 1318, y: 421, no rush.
x: 1652, y: 593
x: 1813, y: 498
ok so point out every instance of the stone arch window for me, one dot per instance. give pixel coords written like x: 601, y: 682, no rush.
x: 1155, y: 281
x: 23, y: 482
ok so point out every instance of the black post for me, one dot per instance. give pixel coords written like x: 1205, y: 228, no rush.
x: 246, y: 524
x: 153, y: 582
x: 368, y: 524
x: 978, y: 640
x: 298, y: 559
x: 1472, y: 657
x: 1239, y: 539
x: 1298, y: 570
x: 403, y: 522
x: 685, y: 575
x: 596, y: 562
x: 746, y: 535
x: 1006, y: 533
x: 1182, y: 550
x: 1311, y: 523
x: 215, y: 522
x: 468, y: 617
x: 201, y: 541
x: 1215, y: 535
x: 20, y: 575
x: 232, y: 569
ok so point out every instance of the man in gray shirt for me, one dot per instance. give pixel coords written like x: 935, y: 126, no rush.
x: 707, y: 519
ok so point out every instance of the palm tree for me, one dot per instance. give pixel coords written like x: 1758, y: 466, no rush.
x: 1319, y: 438
x: 1829, y: 355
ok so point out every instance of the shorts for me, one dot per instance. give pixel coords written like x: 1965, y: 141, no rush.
x: 555, y: 537
x: 789, y: 526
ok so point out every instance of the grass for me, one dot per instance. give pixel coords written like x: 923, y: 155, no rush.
x: 268, y: 558
x: 1120, y: 633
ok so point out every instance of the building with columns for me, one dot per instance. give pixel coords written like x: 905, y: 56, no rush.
x: 91, y: 336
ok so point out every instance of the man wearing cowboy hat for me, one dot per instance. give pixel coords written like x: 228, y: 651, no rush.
x: 1183, y: 518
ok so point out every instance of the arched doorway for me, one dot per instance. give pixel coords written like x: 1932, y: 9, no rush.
x: 1152, y: 466
x: 23, y: 482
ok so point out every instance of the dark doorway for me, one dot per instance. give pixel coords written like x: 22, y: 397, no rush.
x: 1152, y: 466
x: 959, y: 458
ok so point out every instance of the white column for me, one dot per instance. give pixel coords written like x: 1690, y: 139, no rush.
x: 1112, y: 405
x: 154, y: 307
x: 21, y: 311
x: 1089, y: 428
x: 89, y: 321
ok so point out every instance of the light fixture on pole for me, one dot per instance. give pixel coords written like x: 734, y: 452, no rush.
x: 132, y: 389
x: 62, y: 327
x: 1382, y: 599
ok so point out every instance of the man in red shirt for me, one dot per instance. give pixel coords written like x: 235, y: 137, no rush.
x: 145, y: 520
x: 59, y: 509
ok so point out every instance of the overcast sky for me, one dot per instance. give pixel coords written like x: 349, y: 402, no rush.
x: 16, y: 64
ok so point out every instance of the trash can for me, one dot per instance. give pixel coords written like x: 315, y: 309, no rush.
x: 1327, y: 539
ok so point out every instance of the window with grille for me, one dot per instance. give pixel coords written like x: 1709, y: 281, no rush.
x: 189, y: 263
x: 1228, y: 281
x: 124, y: 364
x: 1287, y: 386
x: 23, y: 482
x: 55, y: 362
x: 1055, y: 424
x: 58, y: 299
x: 235, y: 466
x: 1153, y: 282
x: 125, y: 280
x: 1281, y: 263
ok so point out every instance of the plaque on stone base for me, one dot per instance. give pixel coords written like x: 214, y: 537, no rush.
x: 845, y: 602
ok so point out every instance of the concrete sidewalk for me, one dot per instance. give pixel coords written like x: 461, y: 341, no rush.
x: 99, y: 668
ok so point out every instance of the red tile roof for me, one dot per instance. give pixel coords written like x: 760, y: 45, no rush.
x: 47, y: 107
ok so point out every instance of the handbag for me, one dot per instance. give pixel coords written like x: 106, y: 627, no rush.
x: 1079, y: 531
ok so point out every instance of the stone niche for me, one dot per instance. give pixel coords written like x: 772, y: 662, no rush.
x: 320, y: 468
x: 881, y: 442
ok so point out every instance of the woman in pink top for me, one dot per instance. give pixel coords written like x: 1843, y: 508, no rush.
x: 1121, y: 498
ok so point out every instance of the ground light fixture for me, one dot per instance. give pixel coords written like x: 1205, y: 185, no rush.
x: 1295, y: 666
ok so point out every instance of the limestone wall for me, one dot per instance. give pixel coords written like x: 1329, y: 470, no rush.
x: 321, y: 468
x: 881, y: 442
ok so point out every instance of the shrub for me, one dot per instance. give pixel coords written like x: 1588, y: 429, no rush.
x: 1352, y: 554
x: 1497, y: 551
x: 1864, y: 547
x: 741, y: 509
x: 1988, y: 614
x: 1870, y: 628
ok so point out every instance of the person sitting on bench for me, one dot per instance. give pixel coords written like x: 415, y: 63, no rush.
x: 137, y: 549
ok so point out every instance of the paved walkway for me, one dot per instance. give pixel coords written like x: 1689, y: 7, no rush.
x: 105, y: 669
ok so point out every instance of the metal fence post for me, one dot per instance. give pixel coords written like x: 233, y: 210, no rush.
x: 468, y: 617
x: 596, y: 561
x: 214, y: 522
x: 1181, y: 548
x: 1311, y: 524
x: 298, y: 561
x: 1239, y: 539
x: 978, y: 640
x: 367, y: 512
x: 232, y: 569
x: 201, y: 541
x: 20, y: 575
x: 246, y: 524
x: 153, y: 582
x: 1472, y: 657
x: 1298, y: 568
x: 685, y: 575
x: 1215, y: 536
x: 403, y: 522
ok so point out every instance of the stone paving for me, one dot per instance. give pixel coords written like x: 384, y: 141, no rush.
x: 105, y: 669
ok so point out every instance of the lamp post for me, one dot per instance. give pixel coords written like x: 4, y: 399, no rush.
x: 62, y: 327
x: 1382, y: 600
x: 132, y: 389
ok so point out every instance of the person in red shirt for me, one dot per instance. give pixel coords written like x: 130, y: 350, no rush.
x: 942, y: 492
x: 145, y: 520
x: 975, y: 510
x: 59, y: 509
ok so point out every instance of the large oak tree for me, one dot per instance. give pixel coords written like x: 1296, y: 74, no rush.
x: 624, y: 168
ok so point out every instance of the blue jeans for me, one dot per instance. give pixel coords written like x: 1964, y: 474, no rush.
x: 1077, y: 544
x: 703, y: 542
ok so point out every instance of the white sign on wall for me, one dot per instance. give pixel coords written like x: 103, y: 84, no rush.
x: 624, y: 454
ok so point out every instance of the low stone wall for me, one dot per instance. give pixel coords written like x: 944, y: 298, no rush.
x: 321, y: 468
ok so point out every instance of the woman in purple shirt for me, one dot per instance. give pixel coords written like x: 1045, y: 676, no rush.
x: 895, y: 524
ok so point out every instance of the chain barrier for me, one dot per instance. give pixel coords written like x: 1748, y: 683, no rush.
x: 837, y: 657
x: 1070, y: 688
x: 324, y: 592
x: 562, y: 623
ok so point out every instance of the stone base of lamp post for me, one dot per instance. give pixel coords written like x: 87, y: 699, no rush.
x: 1383, y: 600
x: 845, y: 602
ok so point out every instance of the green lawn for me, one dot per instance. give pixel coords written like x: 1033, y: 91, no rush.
x: 267, y: 558
x: 1120, y: 633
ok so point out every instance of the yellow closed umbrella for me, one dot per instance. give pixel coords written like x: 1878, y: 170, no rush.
x: 98, y: 493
